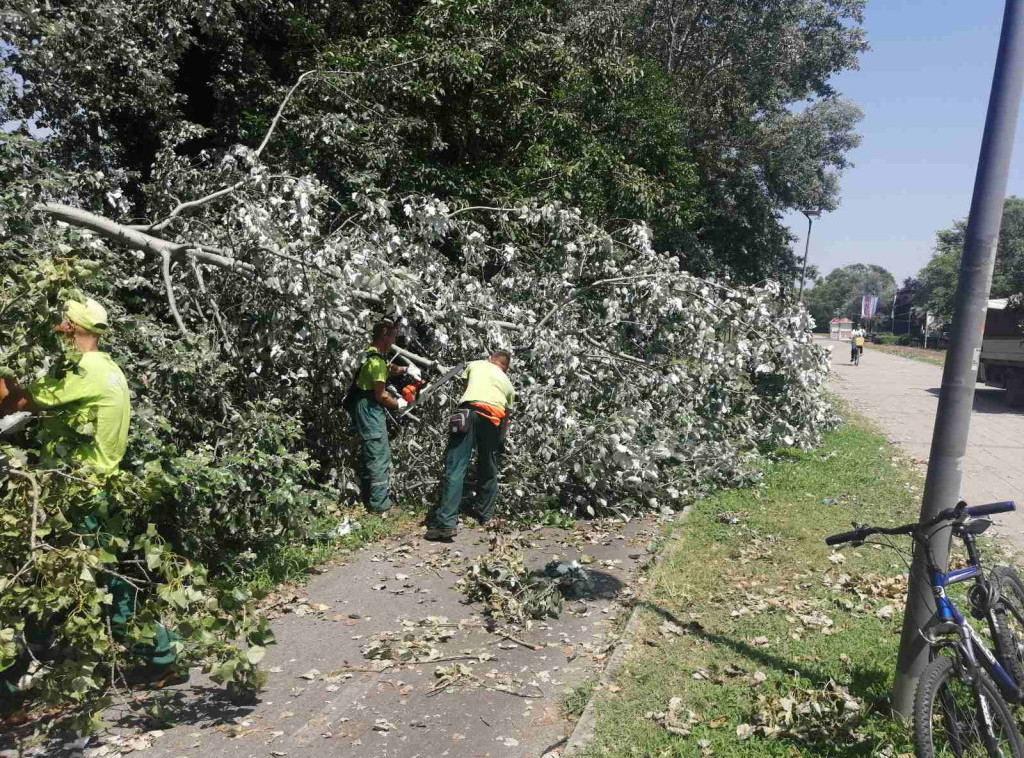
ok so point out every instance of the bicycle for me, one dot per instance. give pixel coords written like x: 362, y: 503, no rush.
x: 972, y: 687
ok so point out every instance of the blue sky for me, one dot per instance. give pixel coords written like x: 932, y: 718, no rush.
x: 924, y: 88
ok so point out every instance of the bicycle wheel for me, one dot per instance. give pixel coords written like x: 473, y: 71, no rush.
x: 950, y: 716
x: 1008, y: 631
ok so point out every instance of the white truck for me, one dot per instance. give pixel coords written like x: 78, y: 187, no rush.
x: 1002, y: 352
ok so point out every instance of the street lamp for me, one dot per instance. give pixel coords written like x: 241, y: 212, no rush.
x: 811, y: 215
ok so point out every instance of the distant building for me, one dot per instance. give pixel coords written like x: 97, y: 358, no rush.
x: 840, y: 328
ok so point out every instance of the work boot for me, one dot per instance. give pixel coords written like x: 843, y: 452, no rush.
x: 440, y: 534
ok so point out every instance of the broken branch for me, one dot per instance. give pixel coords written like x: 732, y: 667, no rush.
x: 172, y: 303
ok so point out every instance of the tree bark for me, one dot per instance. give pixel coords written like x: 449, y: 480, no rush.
x: 137, y: 240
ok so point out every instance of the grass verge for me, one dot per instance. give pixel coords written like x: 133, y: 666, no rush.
x: 935, y: 357
x: 756, y: 639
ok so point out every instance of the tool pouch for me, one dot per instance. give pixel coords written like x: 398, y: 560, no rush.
x: 503, y: 429
x: 458, y: 422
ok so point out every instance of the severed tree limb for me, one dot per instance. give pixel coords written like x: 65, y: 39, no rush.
x: 159, y: 226
x: 172, y: 303
x: 207, y: 254
x: 188, y: 205
x: 518, y: 641
x: 136, y: 239
x: 500, y: 324
x: 425, y: 362
x: 284, y: 104
x: 214, y: 308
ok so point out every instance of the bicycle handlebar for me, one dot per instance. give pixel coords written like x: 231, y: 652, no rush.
x: 949, y: 514
x: 863, y: 532
x: 839, y: 539
x: 987, y: 510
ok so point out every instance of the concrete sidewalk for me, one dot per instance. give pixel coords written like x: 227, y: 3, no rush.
x: 901, y: 396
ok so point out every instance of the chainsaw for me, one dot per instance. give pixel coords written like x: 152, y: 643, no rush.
x: 411, y: 386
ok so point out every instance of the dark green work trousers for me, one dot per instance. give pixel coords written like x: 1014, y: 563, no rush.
x: 156, y: 654
x: 486, y: 438
x: 374, y: 458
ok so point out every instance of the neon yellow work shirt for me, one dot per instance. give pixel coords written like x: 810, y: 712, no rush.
x: 488, y: 384
x: 373, y: 370
x: 91, y: 412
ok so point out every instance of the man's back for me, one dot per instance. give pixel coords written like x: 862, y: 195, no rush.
x: 487, y: 383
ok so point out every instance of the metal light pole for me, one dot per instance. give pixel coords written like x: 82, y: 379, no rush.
x: 953, y: 418
x: 811, y: 215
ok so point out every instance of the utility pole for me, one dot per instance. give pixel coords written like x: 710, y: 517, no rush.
x: 953, y: 418
x: 811, y: 215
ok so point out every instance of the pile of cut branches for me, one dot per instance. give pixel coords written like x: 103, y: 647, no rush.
x: 514, y: 594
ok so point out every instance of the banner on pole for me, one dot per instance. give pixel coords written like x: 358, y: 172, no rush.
x: 868, y: 306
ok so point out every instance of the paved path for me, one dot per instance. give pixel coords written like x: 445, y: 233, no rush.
x: 324, y: 699
x: 901, y: 395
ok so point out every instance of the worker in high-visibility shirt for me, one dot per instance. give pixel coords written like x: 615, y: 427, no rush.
x: 86, y: 414
x: 488, y: 397
x: 366, y: 403
x: 88, y: 410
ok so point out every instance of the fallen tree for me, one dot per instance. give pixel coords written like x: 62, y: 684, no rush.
x: 238, y: 316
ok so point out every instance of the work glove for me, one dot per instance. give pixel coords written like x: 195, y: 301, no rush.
x: 414, y: 371
x: 402, y: 403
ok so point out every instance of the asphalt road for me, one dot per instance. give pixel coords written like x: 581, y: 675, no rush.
x: 901, y: 395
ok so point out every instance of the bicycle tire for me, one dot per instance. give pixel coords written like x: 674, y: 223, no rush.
x: 1008, y: 631
x: 957, y: 736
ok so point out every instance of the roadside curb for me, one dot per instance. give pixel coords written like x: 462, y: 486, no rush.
x: 583, y: 732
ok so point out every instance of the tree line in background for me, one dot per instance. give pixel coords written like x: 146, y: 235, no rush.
x: 932, y: 291
x: 247, y: 186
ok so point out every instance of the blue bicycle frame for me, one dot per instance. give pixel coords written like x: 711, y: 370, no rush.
x: 972, y: 647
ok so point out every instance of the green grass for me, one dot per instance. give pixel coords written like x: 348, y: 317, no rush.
x: 735, y: 594
x: 935, y: 357
x: 575, y: 700
x: 292, y: 561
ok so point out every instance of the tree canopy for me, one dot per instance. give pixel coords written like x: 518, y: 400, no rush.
x: 840, y: 293
x: 938, y: 279
x: 680, y: 114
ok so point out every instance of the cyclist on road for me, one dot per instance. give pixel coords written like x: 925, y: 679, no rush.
x: 858, y: 342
